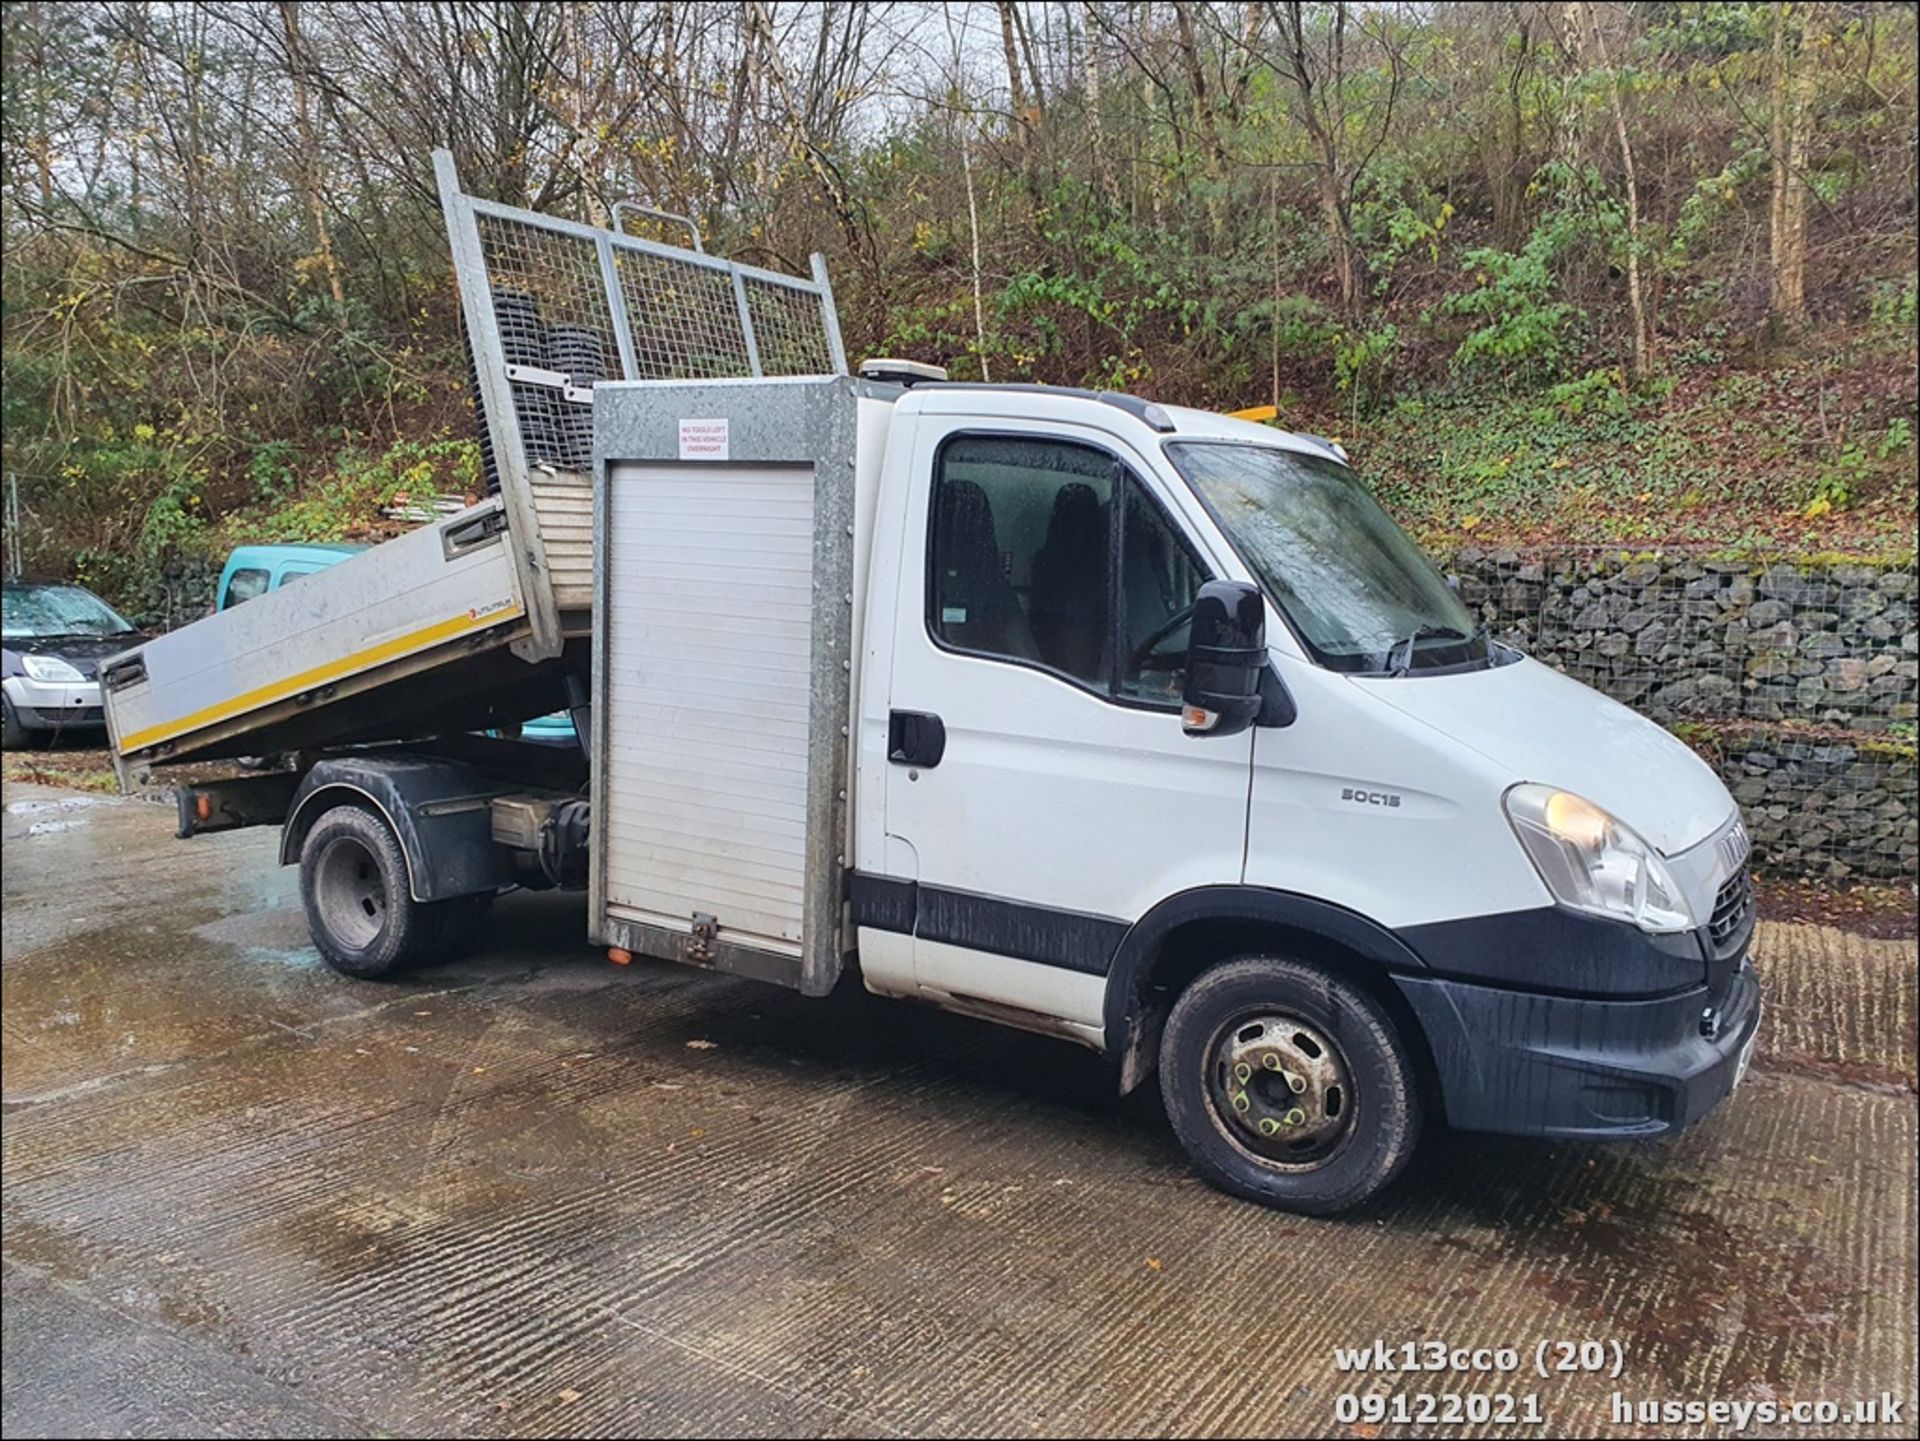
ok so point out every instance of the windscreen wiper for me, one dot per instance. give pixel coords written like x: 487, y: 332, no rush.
x: 1404, y: 649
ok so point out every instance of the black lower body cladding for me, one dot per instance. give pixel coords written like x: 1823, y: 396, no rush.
x: 1580, y: 1068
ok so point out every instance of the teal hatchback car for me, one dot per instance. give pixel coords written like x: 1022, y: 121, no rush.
x: 253, y: 570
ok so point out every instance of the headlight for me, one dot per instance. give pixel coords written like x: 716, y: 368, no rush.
x: 51, y: 668
x: 1592, y: 862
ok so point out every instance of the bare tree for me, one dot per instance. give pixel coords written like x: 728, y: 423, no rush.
x: 308, y: 160
x: 1636, y: 298
x: 1790, y: 92
x: 1312, y: 59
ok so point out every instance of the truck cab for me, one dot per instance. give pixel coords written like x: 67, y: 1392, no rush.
x: 1167, y: 740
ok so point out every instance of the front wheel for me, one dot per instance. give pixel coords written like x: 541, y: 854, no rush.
x: 1288, y: 1086
x: 360, y: 908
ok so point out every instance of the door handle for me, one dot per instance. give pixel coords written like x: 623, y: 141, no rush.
x: 915, y: 738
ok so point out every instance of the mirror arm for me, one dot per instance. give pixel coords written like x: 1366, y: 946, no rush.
x: 1276, y: 701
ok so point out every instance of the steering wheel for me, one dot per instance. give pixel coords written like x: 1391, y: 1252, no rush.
x: 1137, y: 658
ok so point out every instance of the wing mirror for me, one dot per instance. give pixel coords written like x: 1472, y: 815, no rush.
x: 1226, y: 654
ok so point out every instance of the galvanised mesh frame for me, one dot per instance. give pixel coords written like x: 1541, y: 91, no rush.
x: 550, y: 306
x: 575, y: 304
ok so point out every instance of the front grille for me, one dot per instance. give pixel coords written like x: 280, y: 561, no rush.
x: 1731, y: 908
x: 72, y: 715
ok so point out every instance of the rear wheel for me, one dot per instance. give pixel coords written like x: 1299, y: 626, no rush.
x: 360, y: 909
x: 1288, y: 1086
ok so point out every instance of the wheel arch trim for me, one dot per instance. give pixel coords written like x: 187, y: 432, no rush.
x: 1145, y: 942
x: 439, y: 812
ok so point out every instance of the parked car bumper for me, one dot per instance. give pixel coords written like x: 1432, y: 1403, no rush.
x: 1559, y: 1066
x: 55, y: 705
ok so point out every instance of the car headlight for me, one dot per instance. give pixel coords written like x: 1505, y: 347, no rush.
x: 1593, y: 862
x: 50, y: 668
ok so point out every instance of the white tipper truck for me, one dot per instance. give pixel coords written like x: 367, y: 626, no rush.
x: 1135, y: 725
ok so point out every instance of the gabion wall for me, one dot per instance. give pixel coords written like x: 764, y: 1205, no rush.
x: 1799, y: 679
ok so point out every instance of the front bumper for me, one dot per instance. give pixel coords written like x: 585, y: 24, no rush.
x: 1559, y: 1066
x: 55, y: 705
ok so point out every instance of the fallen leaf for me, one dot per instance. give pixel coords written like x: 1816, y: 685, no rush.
x: 667, y: 1086
x: 569, y: 1396
x: 703, y: 1045
x: 1153, y: 1263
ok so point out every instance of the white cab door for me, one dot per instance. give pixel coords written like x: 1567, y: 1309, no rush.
x: 1040, y: 792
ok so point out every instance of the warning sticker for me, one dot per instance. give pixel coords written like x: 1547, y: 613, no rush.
x: 703, y: 440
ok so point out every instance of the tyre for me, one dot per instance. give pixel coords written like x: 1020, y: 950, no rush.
x: 364, y: 920
x: 1288, y: 1086
x: 13, y: 735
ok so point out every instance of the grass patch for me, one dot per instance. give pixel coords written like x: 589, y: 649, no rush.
x: 75, y: 770
x: 1761, y: 461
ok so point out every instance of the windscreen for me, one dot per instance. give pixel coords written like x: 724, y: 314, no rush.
x: 1354, y: 586
x: 44, y: 610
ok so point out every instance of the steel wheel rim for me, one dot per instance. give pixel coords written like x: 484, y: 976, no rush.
x: 1280, y: 1090
x: 352, y: 893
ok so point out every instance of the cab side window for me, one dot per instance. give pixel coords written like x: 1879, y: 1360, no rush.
x: 244, y: 585
x: 1028, y: 537
x: 1020, y: 552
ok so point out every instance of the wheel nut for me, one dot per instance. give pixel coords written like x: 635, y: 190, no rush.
x: 1269, y: 1126
x: 1243, y: 1073
x: 1296, y: 1117
x: 1240, y: 1101
x: 1270, y: 1061
x: 1296, y: 1083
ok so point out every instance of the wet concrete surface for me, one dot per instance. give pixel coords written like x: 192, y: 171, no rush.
x: 534, y: 1194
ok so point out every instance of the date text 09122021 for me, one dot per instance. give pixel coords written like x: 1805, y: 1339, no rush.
x: 1438, y: 1408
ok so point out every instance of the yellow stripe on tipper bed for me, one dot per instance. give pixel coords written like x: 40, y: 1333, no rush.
x: 292, y: 685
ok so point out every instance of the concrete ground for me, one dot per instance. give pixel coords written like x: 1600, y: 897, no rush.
x: 534, y: 1193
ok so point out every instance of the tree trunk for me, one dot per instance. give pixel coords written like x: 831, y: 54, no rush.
x: 1788, y: 135
x: 582, y: 140
x: 1036, y: 86
x: 1197, y: 83
x: 1319, y: 116
x: 1021, y: 118
x: 1102, y: 177
x: 1509, y: 189
x: 807, y: 151
x: 973, y: 233
x: 309, y: 153
x: 1636, y: 300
